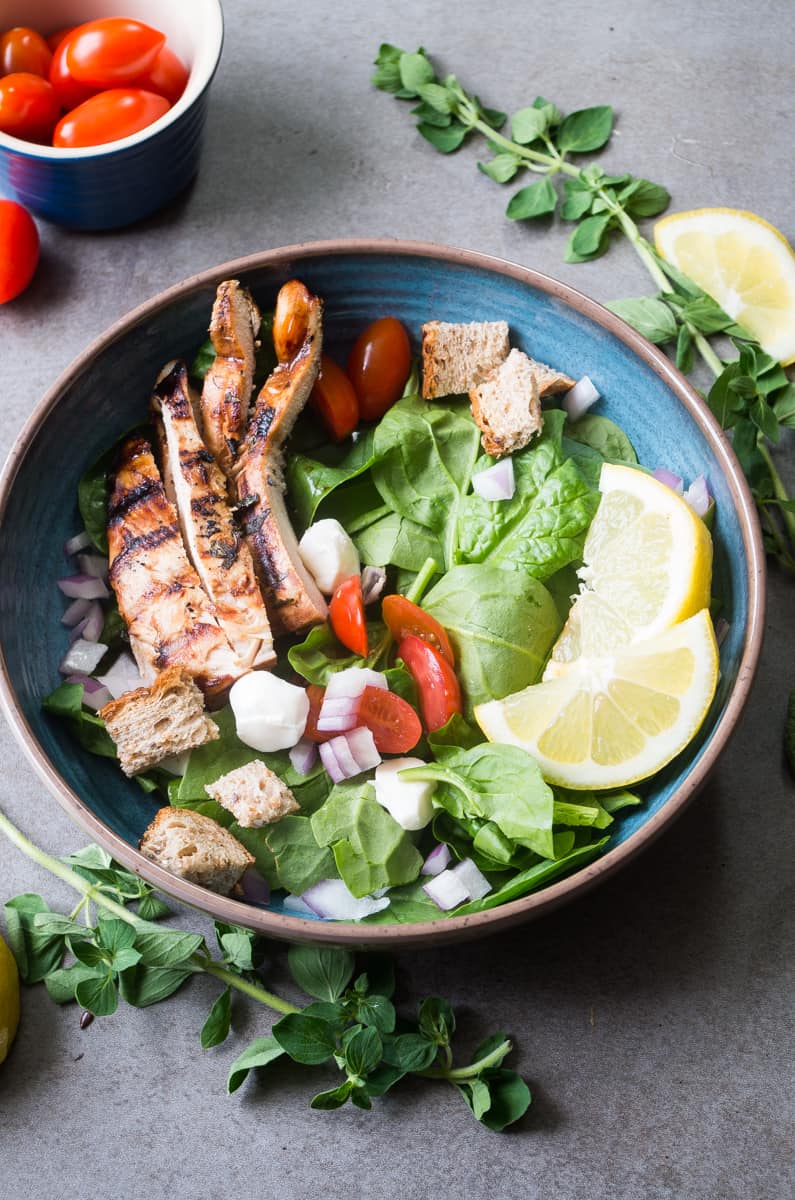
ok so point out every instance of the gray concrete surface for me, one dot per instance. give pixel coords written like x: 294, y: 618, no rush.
x: 654, y: 1017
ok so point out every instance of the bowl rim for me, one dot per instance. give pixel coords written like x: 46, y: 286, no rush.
x: 196, y: 86
x: 447, y: 929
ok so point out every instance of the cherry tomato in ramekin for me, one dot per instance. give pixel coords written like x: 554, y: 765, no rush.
x: 22, y: 49
x: 112, y: 51
x: 29, y: 107
x: 109, y: 116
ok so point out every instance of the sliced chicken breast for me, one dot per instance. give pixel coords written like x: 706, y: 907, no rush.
x: 216, y: 548
x: 169, y: 618
x: 226, y: 394
x: 291, y: 596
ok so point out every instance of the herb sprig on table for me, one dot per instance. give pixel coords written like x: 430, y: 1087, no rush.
x: 105, y: 950
x: 752, y: 396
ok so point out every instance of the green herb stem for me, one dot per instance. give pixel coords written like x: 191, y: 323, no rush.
x: 253, y: 990
x: 461, y: 1074
x: 421, y: 581
x: 779, y: 489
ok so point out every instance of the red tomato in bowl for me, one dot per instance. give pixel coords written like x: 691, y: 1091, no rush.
x: 403, y: 616
x: 69, y: 90
x: 108, y: 116
x: 379, y: 366
x: 168, y: 76
x: 54, y: 39
x: 112, y: 51
x: 29, y: 107
x: 22, y: 49
x: 346, y: 613
x: 334, y: 399
x: 440, y: 692
x: 19, y: 249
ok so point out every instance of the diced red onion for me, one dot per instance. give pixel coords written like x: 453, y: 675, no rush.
x: 303, y: 756
x: 473, y: 879
x: 675, y: 482
x: 94, y: 565
x: 579, y: 399
x: 296, y: 906
x: 698, y: 497
x: 446, y: 891
x: 373, y: 583
x: 437, y: 860
x: 82, y: 658
x: 254, y: 888
x: 722, y: 628
x: 352, y: 681
x: 336, y: 716
x: 76, y: 611
x: 94, y: 623
x: 77, y: 632
x: 497, y: 482
x: 345, y: 757
x: 123, y: 676
x: 81, y: 541
x: 331, y: 899
x: 83, y: 587
x: 362, y: 746
x: 95, y: 694
x: 329, y: 761
x: 349, y: 754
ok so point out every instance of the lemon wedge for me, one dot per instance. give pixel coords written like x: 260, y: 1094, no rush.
x: 9, y: 999
x: 744, y: 263
x: 614, y: 719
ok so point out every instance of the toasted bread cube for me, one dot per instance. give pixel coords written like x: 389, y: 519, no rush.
x: 150, y: 724
x: 254, y: 794
x: 550, y: 381
x: 195, y: 848
x: 457, y: 357
x: 506, y: 405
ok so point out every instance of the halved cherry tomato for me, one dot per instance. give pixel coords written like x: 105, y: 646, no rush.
x: 112, y: 51
x: 440, y: 693
x: 108, y: 116
x: 379, y: 366
x: 403, y: 617
x: 54, y: 39
x: 334, y: 399
x: 29, y: 107
x: 395, y: 726
x: 315, y: 694
x: 168, y: 76
x: 69, y: 90
x: 23, y: 49
x: 19, y: 249
x: 346, y: 613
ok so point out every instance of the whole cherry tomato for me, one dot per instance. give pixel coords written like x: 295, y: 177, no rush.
x: 379, y: 366
x: 334, y: 399
x: 346, y: 613
x: 440, y: 693
x: 69, y: 90
x: 168, y: 76
x: 112, y: 51
x: 23, y: 49
x: 29, y: 107
x: 403, y: 617
x: 109, y: 116
x: 54, y: 39
x: 19, y: 249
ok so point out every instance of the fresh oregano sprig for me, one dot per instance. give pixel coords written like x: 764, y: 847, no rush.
x: 104, y: 951
x: 752, y: 396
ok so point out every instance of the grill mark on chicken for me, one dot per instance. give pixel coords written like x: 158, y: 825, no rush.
x: 291, y: 596
x: 169, y: 618
x: 215, y: 546
x: 226, y: 393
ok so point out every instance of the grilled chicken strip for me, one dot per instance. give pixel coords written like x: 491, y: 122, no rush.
x: 169, y: 618
x: 226, y: 394
x: 215, y: 546
x: 291, y: 596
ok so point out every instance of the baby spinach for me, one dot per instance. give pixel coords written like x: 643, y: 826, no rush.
x: 311, y: 480
x: 370, y: 849
x: 397, y: 541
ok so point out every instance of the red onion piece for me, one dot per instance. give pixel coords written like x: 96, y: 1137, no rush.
x: 77, y: 632
x: 254, y: 888
x: 295, y: 906
x: 331, y: 899
x: 76, y: 611
x: 95, y: 695
x: 698, y: 496
x: 579, y: 399
x: 351, y: 682
x: 437, y: 860
x: 497, y: 482
x: 83, y: 587
x: 81, y: 541
x: 303, y: 756
x: 675, y: 482
x: 349, y: 754
x: 329, y: 761
x: 344, y: 756
x: 94, y: 623
x: 82, y: 658
x: 336, y: 716
x: 123, y: 676
x: 473, y: 879
x: 94, y: 565
x: 373, y: 583
x: 362, y: 746
x: 446, y: 891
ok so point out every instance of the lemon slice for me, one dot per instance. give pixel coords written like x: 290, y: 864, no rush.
x: 610, y: 721
x: 9, y: 999
x: 744, y: 263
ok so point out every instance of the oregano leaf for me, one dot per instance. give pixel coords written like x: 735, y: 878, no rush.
x: 585, y: 130
x: 535, y: 200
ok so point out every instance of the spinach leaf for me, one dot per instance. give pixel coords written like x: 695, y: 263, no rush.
x: 534, y: 878
x: 66, y: 702
x: 604, y: 436
x: 298, y: 860
x: 310, y: 481
x: 397, y: 541
x: 320, y: 655
x: 407, y: 905
x: 501, y: 625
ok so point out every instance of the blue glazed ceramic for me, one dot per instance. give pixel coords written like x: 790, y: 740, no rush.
x: 105, y: 392
x: 105, y: 187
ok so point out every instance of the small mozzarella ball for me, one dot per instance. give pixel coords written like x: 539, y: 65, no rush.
x: 329, y: 555
x: 408, y: 801
x: 270, y: 714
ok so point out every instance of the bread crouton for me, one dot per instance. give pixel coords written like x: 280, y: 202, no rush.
x: 506, y: 405
x: 195, y: 848
x: 550, y: 381
x: 254, y: 794
x: 150, y: 724
x: 457, y: 357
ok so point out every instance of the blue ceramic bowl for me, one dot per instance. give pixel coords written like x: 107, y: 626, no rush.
x: 105, y: 392
x: 105, y: 187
